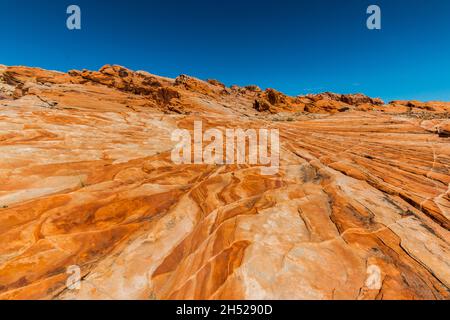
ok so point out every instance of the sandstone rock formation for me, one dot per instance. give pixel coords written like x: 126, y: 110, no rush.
x: 360, y: 208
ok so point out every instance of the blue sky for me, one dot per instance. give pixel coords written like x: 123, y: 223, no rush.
x: 294, y: 46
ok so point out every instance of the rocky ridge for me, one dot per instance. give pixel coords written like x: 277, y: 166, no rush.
x: 87, y: 180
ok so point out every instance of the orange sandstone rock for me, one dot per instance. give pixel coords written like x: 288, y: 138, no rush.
x: 360, y: 208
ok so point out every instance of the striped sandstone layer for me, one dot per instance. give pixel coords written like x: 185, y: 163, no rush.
x: 87, y: 179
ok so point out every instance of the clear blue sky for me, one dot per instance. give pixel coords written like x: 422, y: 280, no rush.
x: 295, y: 46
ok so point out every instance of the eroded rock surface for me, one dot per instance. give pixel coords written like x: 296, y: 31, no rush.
x: 360, y: 208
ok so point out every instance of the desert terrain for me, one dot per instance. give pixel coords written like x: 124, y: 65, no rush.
x: 86, y: 179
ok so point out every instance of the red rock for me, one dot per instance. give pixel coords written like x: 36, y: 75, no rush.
x: 262, y: 105
x: 87, y: 180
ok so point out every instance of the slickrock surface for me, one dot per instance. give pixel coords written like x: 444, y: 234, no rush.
x: 86, y: 179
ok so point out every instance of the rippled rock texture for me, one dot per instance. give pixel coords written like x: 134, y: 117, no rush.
x: 360, y: 208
